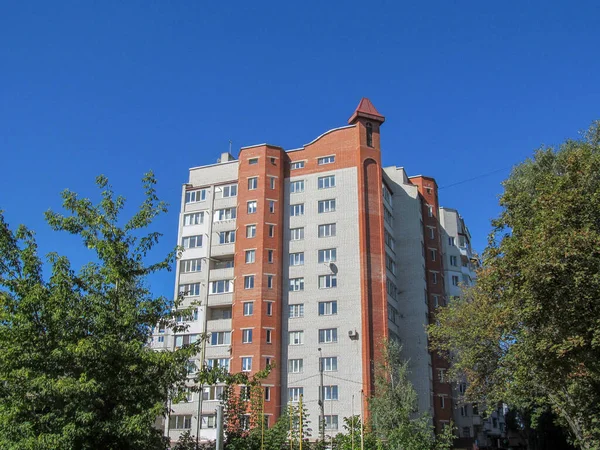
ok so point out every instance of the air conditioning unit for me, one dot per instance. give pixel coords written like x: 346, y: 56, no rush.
x: 353, y: 334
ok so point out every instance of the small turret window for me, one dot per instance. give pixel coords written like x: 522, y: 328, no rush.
x: 369, y: 135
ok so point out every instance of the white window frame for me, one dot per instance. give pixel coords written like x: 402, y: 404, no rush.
x: 195, y: 196
x: 249, y: 282
x: 246, y: 335
x: 327, y: 206
x: 250, y: 231
x: 247, y: 364
x: 297, y: 259
x: 195, y: 241
x: 327, y: 230
x: 297, y: 165
x: 250, y: 256
x: 296, y: 284
x: 330, y: 159
x: 297, y: 234
x: 297, y: 209
x: 328, y: 281
x: 327, y: 255
x: 296, y: 337
x: 190, y: 265
x: 248, y: 308
x: 296, y: 187
x: 191, y: 219
x: 327, y: 308
x: 251, y: 206
x: 295, y: 365
x: 326, y: 182
x: 296, y: 310
x: 328, y: 335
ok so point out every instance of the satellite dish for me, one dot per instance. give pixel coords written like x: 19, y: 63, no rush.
x: 333, y: 268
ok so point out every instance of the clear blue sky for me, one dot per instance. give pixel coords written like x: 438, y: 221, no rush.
x: 467, y: 87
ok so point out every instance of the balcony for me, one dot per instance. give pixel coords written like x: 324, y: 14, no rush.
x: 221, y: 274
x: 218, y: 250
x: 220, y: 299
x: 227, y: 202
x: 223, y: 225
x: 218, y: 325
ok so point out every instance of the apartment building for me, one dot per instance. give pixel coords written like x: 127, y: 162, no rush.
x: 310, y: 258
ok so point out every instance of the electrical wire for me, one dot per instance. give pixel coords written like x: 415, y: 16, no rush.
x: 475, y: 178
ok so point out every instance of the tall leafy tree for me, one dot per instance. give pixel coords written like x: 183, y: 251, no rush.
x: 394, y: 414
x: 528, y: 333
x: 75, y: 368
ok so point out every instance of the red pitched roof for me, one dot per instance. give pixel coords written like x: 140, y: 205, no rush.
x: 366, y: 109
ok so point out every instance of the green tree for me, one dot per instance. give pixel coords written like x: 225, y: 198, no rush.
x: 75, y: 366
x: 394, y: 414
x: 528, y: 333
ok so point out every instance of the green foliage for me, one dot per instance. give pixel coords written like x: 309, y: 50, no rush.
x: 75, y: 367
x: 528, y: 333
x: 394, y: 419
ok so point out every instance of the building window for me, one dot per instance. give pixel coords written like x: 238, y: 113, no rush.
x: 250, y: 256
x: 267, y: 398
x: 430, y: 210
x: 195, y: 196
x: 191, y: 241
x: 329, y: 364
x: 227, y: 237
x: 296, y: 310
x: 269, y: 308
x: 248, y: 308
x: 327, y: 230
x: 252, y: 183
x: 294, y: 394
x: 250, y: 231
x: 388, y: 216
x: 431, y: 232
x: 270, y: 279
x: 390, y: 263
x: 180, y: 422
x: 387, y: 194
x: 296, y: 186
x: 327, y: 281
x: 225, y: 214
x: 453, y: 261
x: 296, y: 284
x: 269, y: 336
x: 270, y: 256
x: 326, y: 160
x: 464, y: 410
x: 442, y: 401
x: 273, y: 160
x: 247, y: 364
x: 220, y: 338
x: 295, y: 365
x: 247, y: 336
x: 297, y: 165
x: 296, y: 337
x: 434, y: 277
x: 209, y: 421
x: 297, y: 259
x: 252, y: 207
x: 248, y: 281
x: 228, y: 191
x: 328, y: 308
x: 193, y: 219
x: 462, y: 388
x: 221, y: 286
x: 297, y: 234
x: 389, y: 240
x: 433, y: 254
x: 271, y: 230
x: 191, y: 265
x: 327, y: 255
x: 326, y: 182
x: 271, y: 206
x: 455, y: 280
x: 218, y: 362
x: 436, y: 301
x: 189, y: 290
x: 272, y: 182
x: 391, y: 289
x: 326, y: 206
x: 253, y: 161
x: 451, y: 241
x: 327, y: 335
x: 331, y: 421
x: 297, y: 209
x: 369, y: 135
x: 330, y: 392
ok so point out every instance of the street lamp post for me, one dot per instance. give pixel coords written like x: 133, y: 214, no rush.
x: 321, y: 399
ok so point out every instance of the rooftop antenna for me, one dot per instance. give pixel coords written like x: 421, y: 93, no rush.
x: 229, y: 146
